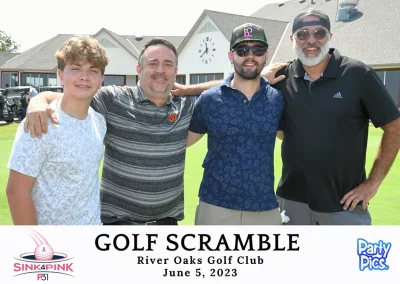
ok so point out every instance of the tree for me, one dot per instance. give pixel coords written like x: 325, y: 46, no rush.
x: 7, y: 44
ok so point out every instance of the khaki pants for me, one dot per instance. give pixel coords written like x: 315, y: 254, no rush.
x: 300, y: 214
x: 207, y: 214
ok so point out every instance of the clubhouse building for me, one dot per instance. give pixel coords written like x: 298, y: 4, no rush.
x: 363, y: 29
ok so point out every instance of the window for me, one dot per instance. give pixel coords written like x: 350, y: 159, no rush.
x: 202, y: 78
x: 52, y: 80
x: 9, y: 79
x: 181, y: 79
x: 39, y: 79
x: 391, y: 79
x: 392, y: 83
x: 118, y: 80
x: 398, y: 98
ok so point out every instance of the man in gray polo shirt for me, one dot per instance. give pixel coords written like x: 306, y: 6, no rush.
x: 144, y: 161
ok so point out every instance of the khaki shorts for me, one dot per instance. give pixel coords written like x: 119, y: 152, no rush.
x: 207, y: 214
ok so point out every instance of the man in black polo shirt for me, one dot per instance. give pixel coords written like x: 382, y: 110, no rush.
x: 329, y: 101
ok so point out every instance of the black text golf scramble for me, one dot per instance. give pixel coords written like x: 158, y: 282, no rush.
x: 224, y: 259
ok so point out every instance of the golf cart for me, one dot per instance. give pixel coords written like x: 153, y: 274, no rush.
x: 16, y: 99
x: 57, y: 89
x: 5, y: 110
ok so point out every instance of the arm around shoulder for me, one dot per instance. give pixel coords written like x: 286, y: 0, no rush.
x: 38, y: 111
x: 272, y: 70
x: 193, y: 90
x: 46, y: 97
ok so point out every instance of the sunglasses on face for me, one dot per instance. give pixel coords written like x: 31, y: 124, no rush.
x: 244, y: 50
x: 318, y: 34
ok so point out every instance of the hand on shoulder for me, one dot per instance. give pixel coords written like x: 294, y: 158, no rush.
x: 36, y: 117
x: 270, y: 71
x: 179, y: 90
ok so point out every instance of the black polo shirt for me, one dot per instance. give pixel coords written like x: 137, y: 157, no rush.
x: 326, y: 130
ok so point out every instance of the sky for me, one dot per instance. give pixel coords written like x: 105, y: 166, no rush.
x: 31, y: 22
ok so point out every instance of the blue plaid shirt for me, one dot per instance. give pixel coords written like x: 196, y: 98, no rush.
x: 239, y: 165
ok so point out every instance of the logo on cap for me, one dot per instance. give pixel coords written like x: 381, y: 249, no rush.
x: 247, y: 32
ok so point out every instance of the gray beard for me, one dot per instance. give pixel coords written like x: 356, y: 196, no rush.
x: 311, y: 60
x: 161, y: 93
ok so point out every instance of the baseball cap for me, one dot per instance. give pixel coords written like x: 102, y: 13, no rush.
x: 248, y: 32
x: 323, y: 20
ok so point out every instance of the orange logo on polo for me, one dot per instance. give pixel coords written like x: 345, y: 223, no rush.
x: 172, y: 117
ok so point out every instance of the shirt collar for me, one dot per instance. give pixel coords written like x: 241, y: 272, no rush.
x: 330, y: 70
x: 228, y: 81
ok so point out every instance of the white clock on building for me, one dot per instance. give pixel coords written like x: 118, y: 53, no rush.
x: 207, y: 48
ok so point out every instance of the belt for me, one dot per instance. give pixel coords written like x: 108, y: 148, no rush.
x: 164, y: 221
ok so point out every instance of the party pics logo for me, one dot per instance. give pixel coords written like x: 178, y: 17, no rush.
x: 43, y: 261
x: 373, y: 256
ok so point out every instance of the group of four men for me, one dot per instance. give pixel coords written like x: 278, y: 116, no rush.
x: 320, y: 105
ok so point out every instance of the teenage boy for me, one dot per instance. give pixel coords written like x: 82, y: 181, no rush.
x: 54, y: 180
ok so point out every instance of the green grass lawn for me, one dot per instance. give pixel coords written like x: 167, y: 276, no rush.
x: 383, y: 207
x: 7, y: 133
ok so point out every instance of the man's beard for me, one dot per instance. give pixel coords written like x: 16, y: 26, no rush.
x: 248, y: 74
x: 154, y: 89
x: 161, y: 92
x: 311, y: 60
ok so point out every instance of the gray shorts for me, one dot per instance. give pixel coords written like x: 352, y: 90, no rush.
x: 207, y: 214
x: 300, y: 214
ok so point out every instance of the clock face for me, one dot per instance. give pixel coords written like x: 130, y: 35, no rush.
x: 207, y: 50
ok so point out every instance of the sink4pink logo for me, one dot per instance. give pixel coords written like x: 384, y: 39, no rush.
x: 43, y: 261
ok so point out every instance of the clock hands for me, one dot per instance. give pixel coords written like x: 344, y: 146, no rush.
x: 206, y: 46
x: 206, y: 51
x: 203, y: 53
